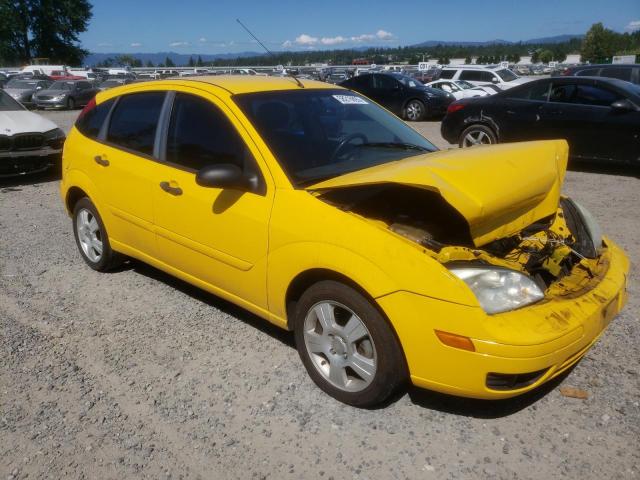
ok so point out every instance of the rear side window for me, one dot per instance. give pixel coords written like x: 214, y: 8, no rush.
x: 200, y: 134
x: 91, y: 122
x: 620, y: 73
x: 447, y: 73
x: 134, y: 121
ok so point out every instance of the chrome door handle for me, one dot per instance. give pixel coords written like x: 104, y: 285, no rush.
x: 169, y: 189
x: 101, y: 161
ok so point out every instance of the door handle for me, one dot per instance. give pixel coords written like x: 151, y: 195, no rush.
x: 101, y: 161
x: 166, y: 186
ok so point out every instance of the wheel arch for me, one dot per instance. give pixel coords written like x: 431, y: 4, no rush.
x: 483, y: 120
x: 74, y: 194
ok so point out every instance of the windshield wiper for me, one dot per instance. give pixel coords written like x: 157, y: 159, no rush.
x: 399, y: 145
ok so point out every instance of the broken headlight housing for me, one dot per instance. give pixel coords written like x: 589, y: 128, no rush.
x: 499, y: 289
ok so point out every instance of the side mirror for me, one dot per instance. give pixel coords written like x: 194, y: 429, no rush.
x: 38, y: 87
x: 226, y: 175
x: 624, y: 105
x: 494, y: 80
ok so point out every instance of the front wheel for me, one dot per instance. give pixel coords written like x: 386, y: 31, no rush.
x: 347, y: 346
x: 414, y: 111
x: 477, y: 135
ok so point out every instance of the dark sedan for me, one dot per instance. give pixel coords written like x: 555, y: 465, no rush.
x: 401, y: 94
x: 629, y: 72
x: 67, y: 94
x: 599, y: 117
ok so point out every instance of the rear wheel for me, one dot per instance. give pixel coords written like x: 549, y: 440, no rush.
x: 477, y: 135
x: 414, y: 110
x: 91, y: 237
x: 347, y: 346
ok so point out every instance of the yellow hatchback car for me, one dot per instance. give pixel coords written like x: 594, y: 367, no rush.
x: 462, y: 271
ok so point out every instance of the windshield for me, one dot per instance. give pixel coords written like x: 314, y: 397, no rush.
x: 407, y: 81
x: 506, y: 75
x: 8, y: 104
x: 61, y: 86
x: 320, y: 134
x: 464, y: 84
x: 22, y: 84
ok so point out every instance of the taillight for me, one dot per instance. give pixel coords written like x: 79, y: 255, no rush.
x: 87, y: 108
x: 454, y: 107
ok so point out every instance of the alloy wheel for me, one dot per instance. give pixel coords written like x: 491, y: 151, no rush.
x: 476, y: 137
x: 414, y: 111
x: 89, y: 235
x: 340, y: 346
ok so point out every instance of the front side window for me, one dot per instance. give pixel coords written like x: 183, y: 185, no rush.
x: 562, y: 93
x: 590, y: 72
x: 134, y: 121
x: 475, y: 76
x: 384, y: 82
x: 320, y: 134
x: 200, y: 134
x: 592, y: 95
x: 539, y: 91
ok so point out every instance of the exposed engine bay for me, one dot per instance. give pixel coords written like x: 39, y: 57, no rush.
x: 548, y: 250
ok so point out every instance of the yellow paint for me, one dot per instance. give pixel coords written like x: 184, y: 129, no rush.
x: 249, y: 248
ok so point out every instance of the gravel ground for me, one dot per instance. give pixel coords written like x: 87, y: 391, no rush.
x: 136, y: 374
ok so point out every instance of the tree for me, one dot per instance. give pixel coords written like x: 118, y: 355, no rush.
x: 467, y: 60
x: 545, y: 56
x: 149, y: 64
x: 191, y: 63
x: 199, y: 62
x: 43, y: 28
x: 168, y: 62
x: 599, y: 44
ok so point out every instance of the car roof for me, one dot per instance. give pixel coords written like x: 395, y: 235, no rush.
x: 233, y: 84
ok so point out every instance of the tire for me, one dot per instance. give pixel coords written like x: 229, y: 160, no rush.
x: 347, y: 346
x: 91, y: 237
x: 414, y: 111
x: 477, y: 135
x: 71, y: 104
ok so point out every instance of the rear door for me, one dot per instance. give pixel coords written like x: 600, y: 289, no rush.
x: 219, y: 236
x: 581, y: 113
x: 123, y: 166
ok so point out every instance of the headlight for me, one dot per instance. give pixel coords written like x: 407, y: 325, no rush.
x: 591, y: 225
x: 58, y: 97
x: 499, y: 289
x: 54, y: 138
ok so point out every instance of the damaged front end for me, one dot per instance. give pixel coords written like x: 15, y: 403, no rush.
x: 560, y: 253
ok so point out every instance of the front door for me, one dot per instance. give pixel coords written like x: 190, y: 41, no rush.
x: 219, y: 236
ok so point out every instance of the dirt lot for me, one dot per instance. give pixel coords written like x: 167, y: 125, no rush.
x: 135, y: 374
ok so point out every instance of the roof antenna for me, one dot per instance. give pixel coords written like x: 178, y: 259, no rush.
x: 270, y: 53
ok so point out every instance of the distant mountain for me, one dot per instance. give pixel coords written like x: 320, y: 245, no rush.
x: 555, y: 39
x: 177, y: 58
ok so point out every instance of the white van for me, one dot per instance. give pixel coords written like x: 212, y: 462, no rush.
x: 43, y: 69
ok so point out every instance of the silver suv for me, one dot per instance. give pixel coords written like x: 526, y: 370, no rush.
x: 481, y: 75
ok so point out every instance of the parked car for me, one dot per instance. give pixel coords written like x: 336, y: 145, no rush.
x: 23, y: 90
x: 325, y: 214
x: 481, y: 75
x: 113, y: 82
x: 488, y: 89
x: 67, y: 94
x: 425, y: 76
x: 599, y: 117
x: 336, y: 78
x: 458, y: 88
x: 402, y: 95
x: 627, y: 72
x: 28, y: 142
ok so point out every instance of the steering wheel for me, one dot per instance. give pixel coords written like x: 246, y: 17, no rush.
x: 344, y: 142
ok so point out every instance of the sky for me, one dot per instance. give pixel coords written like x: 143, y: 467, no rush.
x: 209, y: 26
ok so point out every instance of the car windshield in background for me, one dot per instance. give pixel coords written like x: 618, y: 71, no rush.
x: 320, y: 134
x: 8, y: 104
x: 464, y: 84
x: 506, y: 75
x: 22, y: 84
x: 61, y: 86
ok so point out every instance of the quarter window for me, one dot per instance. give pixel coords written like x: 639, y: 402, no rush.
x: 134, y: 121
x: 200, y: 134
x: 91, y: 122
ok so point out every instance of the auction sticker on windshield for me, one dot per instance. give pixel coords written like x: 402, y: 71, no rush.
x: 350, y: 100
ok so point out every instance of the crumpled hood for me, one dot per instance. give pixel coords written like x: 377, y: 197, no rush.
x: 498, y: 189
x: 22, y: 121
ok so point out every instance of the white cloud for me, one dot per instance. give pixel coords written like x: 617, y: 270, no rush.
x: 363, y: 38
x: 136, y: 44
x: 384, y: 35
x: 333, y: 40
x: 305, y: 39
x: 179, y: 44
x: 287, y: 44
x: 202, y: 40
x: 633, y: 26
